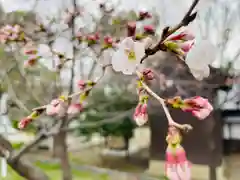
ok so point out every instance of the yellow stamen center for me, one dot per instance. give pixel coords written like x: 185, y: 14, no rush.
x: 131, y: 55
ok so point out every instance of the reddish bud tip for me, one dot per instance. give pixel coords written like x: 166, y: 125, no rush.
x: 131, y: 27
x: 149, y: 29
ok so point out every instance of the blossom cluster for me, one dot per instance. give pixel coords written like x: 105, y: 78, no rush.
x: 11, y: 33
x: 127, y: 56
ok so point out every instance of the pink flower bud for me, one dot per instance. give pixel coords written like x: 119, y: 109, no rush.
x: 144, y: 15
x: 82, y: 84
x: 97, y: 36
x: 149, y: 29
x: 137, y: 109
x: 183, y: 36
x: 56, y: 108
x: 177, y: 165
x: 32, y: 60
x: 24, y: 122
x: 148, y: 74
x: 75, y: 109
x: 186, y: 46
x: 131, y: 29
x: 198, y: 106
x: 140, y: 114
x: 108, y: 40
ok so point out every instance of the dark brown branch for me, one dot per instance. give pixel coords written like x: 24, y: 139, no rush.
x: 99, y: 123
x: 188, y: 17
x: 22, y: 166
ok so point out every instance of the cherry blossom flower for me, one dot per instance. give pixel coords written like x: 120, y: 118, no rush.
x: 84, y: 84
x: 74, y: 109
x: 11, y: 33
x: 199, y: 58
x: 180, y: 42
x: 57, y: 107
x: 182, y: 35
x: 64, y: 47
x: 198, y: 106
x: 24, y: 122
x: 177, y: 166
x: 34, y: 53
x: 92, y: 39
x: 27, y: 120
x: 140, y: 114
x: 186, y: 47
x: 148, y: 74
x: 128, y: 56
x: 108, y: 42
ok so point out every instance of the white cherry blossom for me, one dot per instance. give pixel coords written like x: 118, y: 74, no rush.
x: 63, y: 46
x: 128, y: 56
x: 199, y: 58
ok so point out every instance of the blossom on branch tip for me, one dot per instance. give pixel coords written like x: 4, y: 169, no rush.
x: 31, y: 61
x: 177, y: 166
x: 24, y: 122
x: 128, y: 56
x: 85, y: 84
x: 140, y: 115
x: 184, y: 35
x: 148, y: 74
x: 11, y: 33
x: 198, y: 106
x: 57, y: 107
x: 74, y: 109
x: 92, y: 39
x: 108, y: 42
x: 27, y: 120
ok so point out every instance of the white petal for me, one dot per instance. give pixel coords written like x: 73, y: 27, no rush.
x: 201, y: 54
x: 63, y: 46
x: 139, y: 49
x: 119, y: 60
x: 126, y: 43
x: 200, y: 74
x: 44, y: 50
x: 129, y: 69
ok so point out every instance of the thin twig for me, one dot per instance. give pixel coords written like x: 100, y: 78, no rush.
x: 171, y: 122
x: 185, y: 21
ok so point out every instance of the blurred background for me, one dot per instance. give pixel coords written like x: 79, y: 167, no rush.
x: 103, y: 142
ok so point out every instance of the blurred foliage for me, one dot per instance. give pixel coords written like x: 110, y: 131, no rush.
x: 106, y: 106
x: 18, y: 145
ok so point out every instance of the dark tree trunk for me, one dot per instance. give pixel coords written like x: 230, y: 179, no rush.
x: 60, y: 151
x: 27, y: 170
x: 22, y: 166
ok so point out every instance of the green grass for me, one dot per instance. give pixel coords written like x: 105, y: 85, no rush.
x: 54, y: 173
